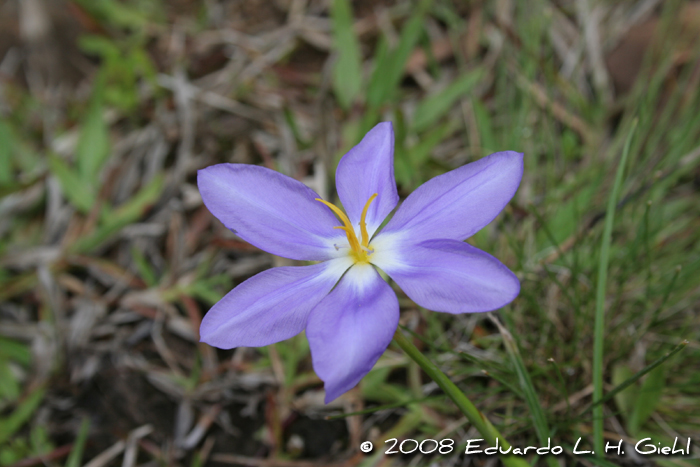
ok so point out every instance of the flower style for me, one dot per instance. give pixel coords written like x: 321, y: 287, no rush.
x: 349, y: 312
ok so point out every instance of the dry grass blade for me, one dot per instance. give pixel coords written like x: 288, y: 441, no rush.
x: 117, y: 448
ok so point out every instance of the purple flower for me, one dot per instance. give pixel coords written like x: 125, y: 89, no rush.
x: 349, y: 312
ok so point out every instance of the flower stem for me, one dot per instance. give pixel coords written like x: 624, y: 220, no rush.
x: 487, y: 430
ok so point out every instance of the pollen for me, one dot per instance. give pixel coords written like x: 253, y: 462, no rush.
x: 360, y: 247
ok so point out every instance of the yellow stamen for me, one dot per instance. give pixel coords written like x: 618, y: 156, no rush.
x: 349, y: 231
x: 363, y: 224
x: 360, y: 251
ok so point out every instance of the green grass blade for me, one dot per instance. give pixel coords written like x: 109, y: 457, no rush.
x: 432, y: 108
x: 10, y: 389
x: 625, y: 397
x: 78, y: 191
x: 599, y: 329
x: 76, y: 455
x: 145, y: 270
x: 93, y: 145
x: 667, y: 294
x: 475, y: 417
x: 129, y: 212
x: 415, y: 157
x: 647, y: 399
x: 24, y: 411
x: 533, y: 402
x: 634, y: 378
x: 562, y: 384
x: 15, y: 350
x: 116, y: 13
x: 388, y: 72
x: 5, y: 154
x: 347, y: 70
x: 383, y: 407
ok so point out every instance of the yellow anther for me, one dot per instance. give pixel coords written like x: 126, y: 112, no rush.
x: 347, y: 227
x: 363, y: 224
x: 360, y: 250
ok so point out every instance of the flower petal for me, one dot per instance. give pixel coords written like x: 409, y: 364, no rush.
x: 350, y: 329
x: 448, y: 275
x: 459, y: 203
x: 269, y: 210
x: 271, y: 306
x: 366, y: 169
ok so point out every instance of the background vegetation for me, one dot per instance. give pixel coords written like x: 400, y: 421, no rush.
x: 108, y: 258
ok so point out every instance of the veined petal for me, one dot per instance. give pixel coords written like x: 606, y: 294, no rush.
x: 459, y: 203
x: 271, y: 306
x: 350, y: 329
x: 269, y: 210
x: 366, y: 169
x: 448, y: 275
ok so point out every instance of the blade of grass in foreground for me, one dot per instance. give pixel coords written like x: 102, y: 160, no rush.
x: 599, y: 329
x: 475, y: 417
x: 539, y: 420
x: 76, y: 454
x: 634, y: 378
x: 21, y: 415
